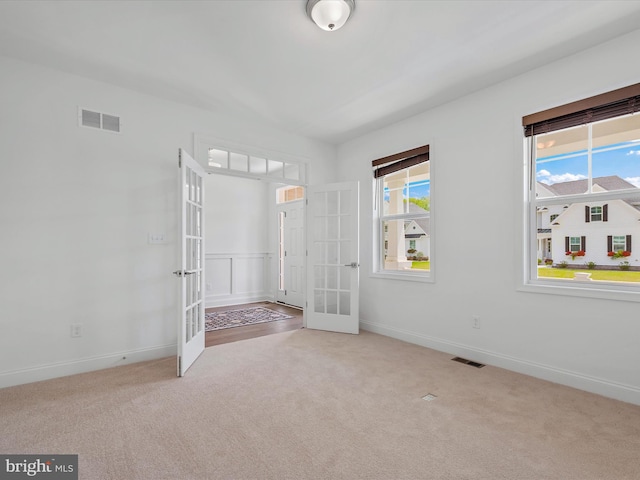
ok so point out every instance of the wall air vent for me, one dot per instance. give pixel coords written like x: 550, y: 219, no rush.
x: 102, y: 121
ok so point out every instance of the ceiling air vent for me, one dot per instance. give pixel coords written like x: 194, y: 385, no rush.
x: 89, y: 118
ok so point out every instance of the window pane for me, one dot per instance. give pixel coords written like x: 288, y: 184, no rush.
x: 218, y: 158
x: 238, y: 162
x: 616, y: 153
x: 619, y: 243
x: 275, y: 168
x: 398, y: 235
x: 569, y: 232
x: 258, y: 165
x: 345, y: 303
x: 291, y: 171
x: 562, y: 162
x: 332, y: 277
x: 318, y: 301
x: 332, y: 301
x: 405, y: 188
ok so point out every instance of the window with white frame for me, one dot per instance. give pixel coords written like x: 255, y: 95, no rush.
x: 584, y: 170
x: 575, y: 245
x: 596, y: 214
x: 403, y: 207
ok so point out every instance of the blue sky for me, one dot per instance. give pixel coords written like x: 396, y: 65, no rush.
x: 416, y: 190
x: 622, y: 160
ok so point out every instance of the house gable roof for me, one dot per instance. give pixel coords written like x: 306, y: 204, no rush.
x: 611, y: 182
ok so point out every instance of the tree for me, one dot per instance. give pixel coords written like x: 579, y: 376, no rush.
x: 423, y: 202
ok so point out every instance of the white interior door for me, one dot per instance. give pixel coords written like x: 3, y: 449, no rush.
x: 333, y: 258
x: 291, y: 251
x: 191, y: 273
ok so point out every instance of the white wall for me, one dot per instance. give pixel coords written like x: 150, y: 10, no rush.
x: 76, y: 206
x: 476, y: 150
x: 238, y: 253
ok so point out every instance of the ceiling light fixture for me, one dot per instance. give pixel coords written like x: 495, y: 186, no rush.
x: 330, y: 15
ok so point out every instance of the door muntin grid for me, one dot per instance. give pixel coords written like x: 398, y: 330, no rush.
x: 194, y: 314
x: 332, y: 252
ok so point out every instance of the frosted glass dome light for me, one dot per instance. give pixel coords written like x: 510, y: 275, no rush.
x: 330, y: 15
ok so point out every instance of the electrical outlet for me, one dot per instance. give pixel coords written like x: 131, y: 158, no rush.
x: 475, y: 321
x: 76, y: 330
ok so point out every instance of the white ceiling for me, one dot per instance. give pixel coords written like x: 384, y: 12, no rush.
x: 264, y: 59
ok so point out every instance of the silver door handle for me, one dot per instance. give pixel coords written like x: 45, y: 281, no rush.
x: 182, y: 273
x: 352, y: 265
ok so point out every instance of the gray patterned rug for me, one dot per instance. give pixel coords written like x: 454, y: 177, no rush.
x: 238, y: 318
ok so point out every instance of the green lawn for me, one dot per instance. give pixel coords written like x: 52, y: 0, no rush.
x: 421, y: 265
x: 606, y: 275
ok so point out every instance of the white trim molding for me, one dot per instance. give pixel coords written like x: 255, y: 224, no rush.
x: 236, y: 278
x: 83, y: 365
x: 618, y: 391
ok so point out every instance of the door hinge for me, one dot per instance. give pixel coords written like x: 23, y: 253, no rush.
x: 285, y: 292
x: 179, y: 158
x: 285, y: 253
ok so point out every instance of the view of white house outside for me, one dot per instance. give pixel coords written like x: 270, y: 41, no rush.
x: 405, y: 206
x: 586, y: 203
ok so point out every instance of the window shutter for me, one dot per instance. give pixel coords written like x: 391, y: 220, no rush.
x: 566, y: 244
x: 609, y: 243
x: 605, y: 212
x: 583, y: 244
x: 628, y: 243
x: 587, y: 213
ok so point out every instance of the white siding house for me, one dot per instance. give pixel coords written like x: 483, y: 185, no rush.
x: 416, y: 237
x: 593, y: 228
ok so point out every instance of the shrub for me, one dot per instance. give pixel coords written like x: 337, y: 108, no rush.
x: 624, y: 265
x: 548, y: 261
x: 539, y: 261
x: 562, y: 264
x: 591, y: 265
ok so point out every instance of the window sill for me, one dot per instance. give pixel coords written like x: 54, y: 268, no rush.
x: 591, y: 289
x: 409, y: 277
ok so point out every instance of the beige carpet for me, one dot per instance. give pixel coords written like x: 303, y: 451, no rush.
x: 317, y: 405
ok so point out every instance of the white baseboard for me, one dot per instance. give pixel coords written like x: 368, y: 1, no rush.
x: 606, y: 388
x: 62, y: 369
x: 226, y: 300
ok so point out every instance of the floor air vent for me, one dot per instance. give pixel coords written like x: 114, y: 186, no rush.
x: 468, y: 362
x: 99, y: 120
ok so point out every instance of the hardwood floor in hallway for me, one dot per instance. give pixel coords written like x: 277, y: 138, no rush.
x: 228, y: 335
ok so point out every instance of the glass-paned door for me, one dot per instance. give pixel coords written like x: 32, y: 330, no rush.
x: 333, y: 258
x: 191, y: 273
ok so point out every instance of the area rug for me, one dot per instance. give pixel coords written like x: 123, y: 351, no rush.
x: 239, y: 318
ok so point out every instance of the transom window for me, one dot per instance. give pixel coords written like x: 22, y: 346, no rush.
x: 584, y: 191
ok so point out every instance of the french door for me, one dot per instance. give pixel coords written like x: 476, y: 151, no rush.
x: 333, y: 258
x: 191, y: 253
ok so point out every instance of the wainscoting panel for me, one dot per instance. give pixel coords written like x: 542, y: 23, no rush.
x: 235, y: 278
